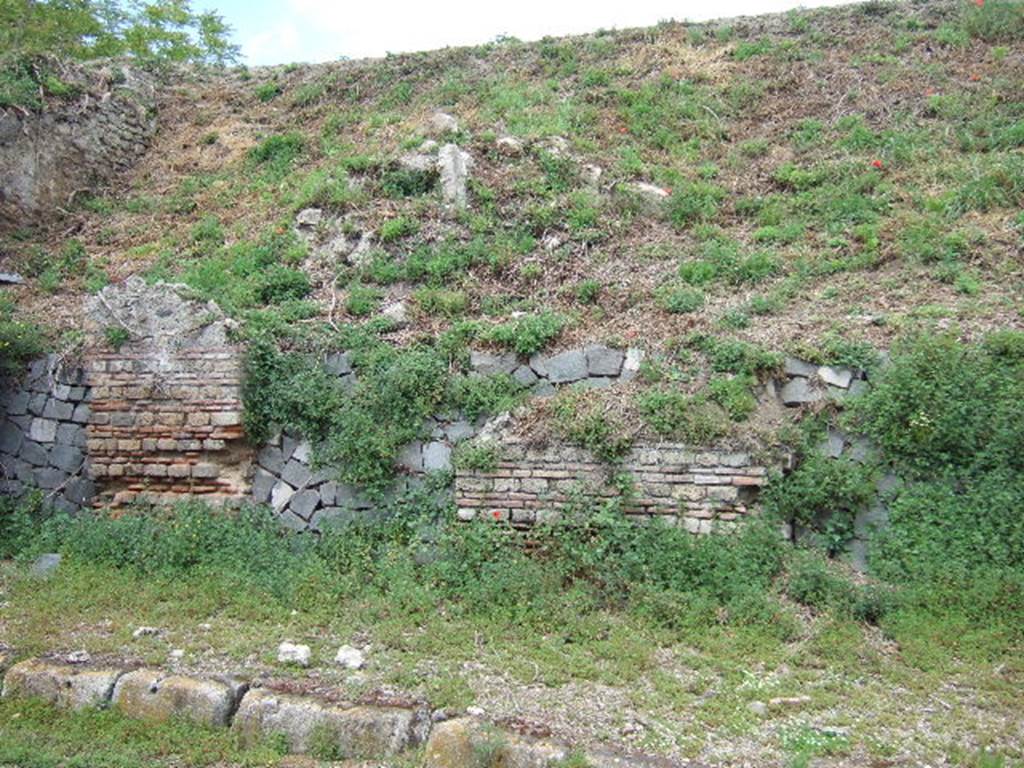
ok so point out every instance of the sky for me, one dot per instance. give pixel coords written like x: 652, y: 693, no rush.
x: 286, y: 31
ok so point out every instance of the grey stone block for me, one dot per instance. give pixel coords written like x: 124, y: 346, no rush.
x: 860, y: 450
x: 64, y: 686
x: 76, y: 394
x: 271, y: 459
x: 604, y: 361
x: 262, y: 486
x: 281, y: 494
x: 292, y: 521
x: 58, y: 409
x: 631, y: 365
x: 487, y: 364
x: 836, y: 377
x: 62, y: 504
x: 49, y: 478
x: 338, y: 363
x: 154, y: 696
x: 25, y: 472
x: 80, y: 491
x: 858, y: 387
x: 43, y: 430
x: 71, y: 434
x: 543, y: 388
x: 11, y: 438
x: 306, y: 723
x: 329, y: 517
x: 798, y: 391
x: 459, y: 431
x: 411, y: 456
x: 595, y: 382
x: 288, y: 445
x: 437, y: 457
x: 81, y: 414
x: 18, y: 404
x: 832, y: 445
x: 45, y: 566
x: 304, y: 503
x: 37, y: 403
x: 524, y: 376
x: 328, y: 493
x: 296, y: 474
x: 66, y: 457
x: 565, y: 367
x: 794, y: 367
x: 34, y: 454
x: 303, y: 452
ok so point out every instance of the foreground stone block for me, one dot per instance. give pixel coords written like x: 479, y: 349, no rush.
x: 151, y: 695
x: 62, y: 685
x: 356, y: 732
x: 469, y: 742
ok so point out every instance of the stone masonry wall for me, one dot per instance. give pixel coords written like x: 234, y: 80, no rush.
x: 304, y: 497
x: 49, y: 155
x: 43, y: 435
x: 166, y: 415
x: 700, y: 488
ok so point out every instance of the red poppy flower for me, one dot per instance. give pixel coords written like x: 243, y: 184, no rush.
x: 877, y: 164
x: 979, y: 3
x: 497, y: 514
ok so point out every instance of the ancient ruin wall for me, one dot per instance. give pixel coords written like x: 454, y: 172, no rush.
x: 69, y: 147
x: 166, y: 406
x: 700, y: 488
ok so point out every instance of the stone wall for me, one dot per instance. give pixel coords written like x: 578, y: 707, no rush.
x: 166, y: 417
x: 304, y: 497
x: 71, y: 146
x: 43, y: 434
x: 700, y: 488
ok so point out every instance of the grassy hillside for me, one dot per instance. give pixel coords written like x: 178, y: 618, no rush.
x: 834, y: 177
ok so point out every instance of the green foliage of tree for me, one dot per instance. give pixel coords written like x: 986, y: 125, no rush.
x: 37, y: 34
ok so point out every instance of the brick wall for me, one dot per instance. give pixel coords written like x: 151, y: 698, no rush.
x: 699, y: 488
x: 167, y: 426
x: 166, y: 417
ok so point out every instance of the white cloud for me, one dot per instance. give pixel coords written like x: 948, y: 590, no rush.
x: 281, y: 43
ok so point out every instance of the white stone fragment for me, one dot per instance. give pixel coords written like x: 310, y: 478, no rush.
x: 349, y: 657
x: 293, y: 653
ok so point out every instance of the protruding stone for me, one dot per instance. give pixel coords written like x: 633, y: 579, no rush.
x: 792, y: 366
x: 349, y: 657
x: 304, y: 503
x: 564, y: 367
x: 798, y: 391
x: 293, y: 653
x: 338, y: 363
x: 397, y: 312
x: 43, y: 430
x: 442, y: 123
x: 349, y: 733
x: 45, y: 565
x: 295, y: 473
x: 437, y: 457
x: 604, y: 361
x: 836, y: 377
x: 631, y: 365
x: 262, y: 486
x: 524, y: 376
x: 454, y: 166
x: 67, y: 687
x: 151, y: 695
x: 281, y: 494
x: 487, y: 364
